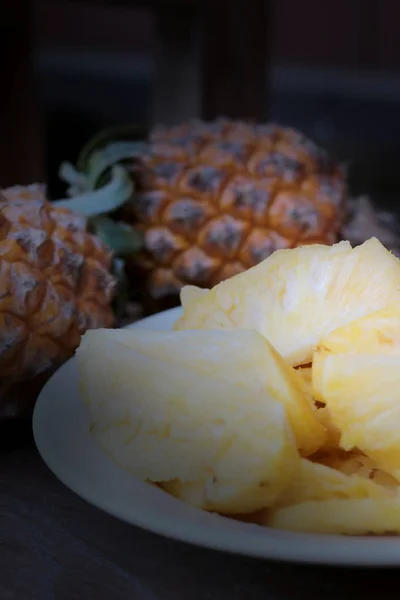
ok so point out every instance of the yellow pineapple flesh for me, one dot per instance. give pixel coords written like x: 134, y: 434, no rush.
x: 315, y: 481
x: 356, y: 463
x: 296, y: 297
x: 215, y: 198
x: 230, y: 440
x: 356, y: 373
x: 243, y: 358
x: 354, y: 516
x: 275, y: 399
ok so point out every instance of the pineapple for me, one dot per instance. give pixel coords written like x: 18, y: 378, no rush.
x: 356, y: 463
x: 55, y: 283
x: 353, y: 516
x: 378, y: 332
x: 243, y: 358
x: 306, y: 374
x: 311, y: 481
x: 333, y: 434
x: 357, y: 375
x: 314, y: 481
x: 296, y: 297
x: 275, y: 398
x: 206, y: 424
x: 215, y: 198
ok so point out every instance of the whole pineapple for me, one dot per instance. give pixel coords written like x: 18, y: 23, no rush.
x: 215, y: 198
x: 55, y: 283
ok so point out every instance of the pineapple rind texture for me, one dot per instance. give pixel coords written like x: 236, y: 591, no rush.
x: 55, y: 283
x: 214, y: 199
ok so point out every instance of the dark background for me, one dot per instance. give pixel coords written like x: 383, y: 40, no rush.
x: 332, y: 69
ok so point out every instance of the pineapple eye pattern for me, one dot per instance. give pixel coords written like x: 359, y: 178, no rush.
x: 279, y: 165
x: 306, y: 217
x: 187, y: 214
x: 249, y: 196
x: 195, y: 265
x: 73, y: 265
x: 167, y: 171
x: 262, y: 252
x: 163, y: 244
x: 236, y: 149
x: 224, y: 234
x: 206, y: 179
x: 213, y: 185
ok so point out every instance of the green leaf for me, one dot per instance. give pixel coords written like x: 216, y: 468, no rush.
x: 105, y: 137
x: 111, y: 155
x: 120, y: 237
x: 104, y: 200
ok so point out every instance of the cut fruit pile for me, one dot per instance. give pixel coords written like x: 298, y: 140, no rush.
x: 277, y: 394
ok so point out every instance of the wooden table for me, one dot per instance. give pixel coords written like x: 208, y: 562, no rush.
x: 211, y: 60
x: 54, y: 546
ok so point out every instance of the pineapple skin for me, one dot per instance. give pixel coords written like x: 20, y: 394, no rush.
x: 216, y: 198
x: 55, y: 283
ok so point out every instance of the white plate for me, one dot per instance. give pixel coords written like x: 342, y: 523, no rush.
x: 61, y: 430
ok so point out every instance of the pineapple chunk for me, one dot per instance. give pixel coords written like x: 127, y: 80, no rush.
x: 376, y: 333
x: 163, y: 421
x: 296, y: 297
x: 306, y: 375
x: 311, y: 481
x: 350, y: 517
x: 314, y: 481
x: 362, y: 392
x: 242, y: 358
x: 355, y: 463
x: 332, y: 440
x: 356, y: 371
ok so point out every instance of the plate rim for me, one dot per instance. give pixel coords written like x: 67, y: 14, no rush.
x: 357, y: 551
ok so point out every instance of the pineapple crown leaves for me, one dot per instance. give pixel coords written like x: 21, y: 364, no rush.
x: 88, y: 201
x: 101, y: 188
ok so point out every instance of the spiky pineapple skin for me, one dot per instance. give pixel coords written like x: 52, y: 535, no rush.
x: 55, y: 283
x: 215, y: 198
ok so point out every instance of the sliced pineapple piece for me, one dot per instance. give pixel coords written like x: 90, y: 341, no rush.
x: 241, y: 358
x: 306, y: 374
x: 355, y: 463
x: 163, y: 421
x: 296, y: 297
x: 376, y: 333
x: 314, y: 481
x: 333, y: 434
x: 348, y: 517
x: 311, y: 481
x: 362, y: 392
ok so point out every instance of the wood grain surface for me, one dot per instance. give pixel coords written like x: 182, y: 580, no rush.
x: 54, y: 546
